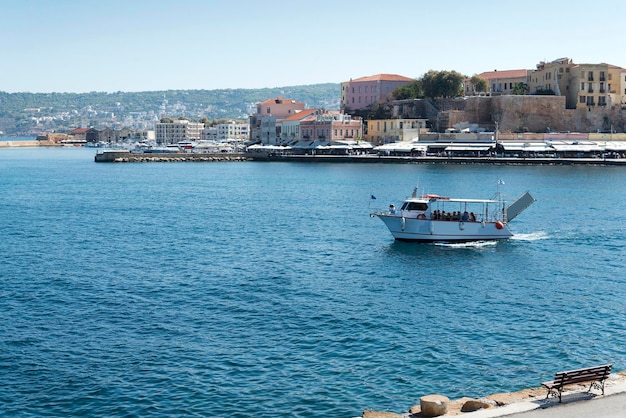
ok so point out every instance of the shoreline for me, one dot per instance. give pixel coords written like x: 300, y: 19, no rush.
x: 113, y: 156
x: 517, y: 403
x: 126, y: 156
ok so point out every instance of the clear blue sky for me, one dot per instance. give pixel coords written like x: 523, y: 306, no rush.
x: 123, y: 45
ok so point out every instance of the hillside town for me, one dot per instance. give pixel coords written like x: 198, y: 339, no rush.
x: 558, y: 108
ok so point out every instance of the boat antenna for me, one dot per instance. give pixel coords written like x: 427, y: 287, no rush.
x: 415, y: 189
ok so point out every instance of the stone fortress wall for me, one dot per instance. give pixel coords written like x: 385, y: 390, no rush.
x: 510, y: 113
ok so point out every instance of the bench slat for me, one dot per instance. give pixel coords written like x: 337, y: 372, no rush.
x: 590, y: 374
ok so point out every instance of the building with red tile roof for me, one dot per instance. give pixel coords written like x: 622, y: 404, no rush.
x: 498, y: 82
x: 271, y: 111
x: 361, y: 93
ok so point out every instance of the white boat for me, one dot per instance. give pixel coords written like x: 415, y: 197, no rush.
x: 434, y: 218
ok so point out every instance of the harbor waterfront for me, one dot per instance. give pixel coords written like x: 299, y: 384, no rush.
x: 123, y: 156
x: 264, y: 288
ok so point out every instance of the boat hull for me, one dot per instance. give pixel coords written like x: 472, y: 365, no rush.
x: 423, y: 230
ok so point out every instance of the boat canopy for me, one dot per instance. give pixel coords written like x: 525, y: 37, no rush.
x: 448, y: 199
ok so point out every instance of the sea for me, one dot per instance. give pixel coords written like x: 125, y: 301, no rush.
x: 265, y: 289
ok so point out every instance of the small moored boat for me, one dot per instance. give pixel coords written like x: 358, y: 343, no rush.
x: 434, y: 218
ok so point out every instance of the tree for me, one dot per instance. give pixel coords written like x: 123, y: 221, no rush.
x: 442, y: 83
x: 479, y: 83
x: 520, y: 89
x: 413, y: 90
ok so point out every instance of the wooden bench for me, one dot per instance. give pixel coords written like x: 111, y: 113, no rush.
x: 596, y: 375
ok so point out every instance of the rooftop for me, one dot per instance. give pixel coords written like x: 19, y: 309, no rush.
x: 383, y: 77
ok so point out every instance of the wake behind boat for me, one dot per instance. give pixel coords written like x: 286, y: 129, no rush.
x: 434, y: 218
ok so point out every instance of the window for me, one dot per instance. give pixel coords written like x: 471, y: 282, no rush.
x: 582, y: 85
x: 583, y: 99
x: 414, y: 206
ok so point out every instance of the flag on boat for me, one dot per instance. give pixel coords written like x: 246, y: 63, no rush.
x: 373, y: 197
x: 500, y: 181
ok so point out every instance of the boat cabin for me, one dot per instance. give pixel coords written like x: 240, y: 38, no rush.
x: 440, y: 208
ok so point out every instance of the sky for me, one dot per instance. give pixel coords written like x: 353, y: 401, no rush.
x: 146, y: 45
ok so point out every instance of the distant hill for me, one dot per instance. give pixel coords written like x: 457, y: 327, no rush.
x: 34, y: 113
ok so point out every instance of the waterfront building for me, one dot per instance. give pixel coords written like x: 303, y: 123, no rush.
x: 180, y: 130
x: 383, y: 131
x: 363, y: 92
x: 332, y: 127
x: 290, y: 127
x: 233, y: 130
x: 267, y: 114
x: 83, y: 135
x: 209, y: 133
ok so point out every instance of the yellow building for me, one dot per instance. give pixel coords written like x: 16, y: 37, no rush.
x: 583, y: 85
x: 383, y: 131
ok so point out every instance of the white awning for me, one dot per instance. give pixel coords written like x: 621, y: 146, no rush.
x: 615, y: 146
x: 402, y: 147
x: 527, y: 147
x: 467, y: 148
x: 577, y: 147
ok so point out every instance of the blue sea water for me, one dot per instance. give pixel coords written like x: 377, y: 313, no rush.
x: 265, y: 289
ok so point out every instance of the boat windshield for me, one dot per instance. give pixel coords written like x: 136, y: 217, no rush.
x: 414, y: 206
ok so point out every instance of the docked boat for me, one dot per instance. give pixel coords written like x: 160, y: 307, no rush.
x: 434, y: 218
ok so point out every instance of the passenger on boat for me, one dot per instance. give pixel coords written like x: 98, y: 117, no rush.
x: 465, y: 216
x: 472, y: 217
x: 392, y: 209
